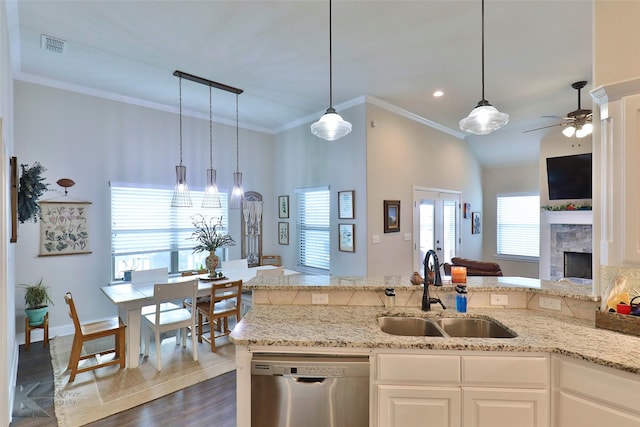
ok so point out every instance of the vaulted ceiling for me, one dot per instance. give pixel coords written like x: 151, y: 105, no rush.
x: 395, y: 51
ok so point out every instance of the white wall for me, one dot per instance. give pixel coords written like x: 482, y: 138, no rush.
x: 401, y: 154
x: 304, y: 160
x: 94, y: 141
x: 8, y: 345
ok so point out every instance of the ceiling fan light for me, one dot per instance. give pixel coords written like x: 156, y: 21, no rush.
x: 585, y: 130
x: 331, y: 126
x: 569, y: 131
x: 484, y: 119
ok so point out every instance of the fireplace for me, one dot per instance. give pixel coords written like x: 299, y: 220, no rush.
x: 578, y: 265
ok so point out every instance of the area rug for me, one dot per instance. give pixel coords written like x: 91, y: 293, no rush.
x: 109, y: 390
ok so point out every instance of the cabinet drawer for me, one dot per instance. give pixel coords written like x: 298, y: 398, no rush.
x: 512, y: 371
x: 609, y: 386
x: 435, y: 369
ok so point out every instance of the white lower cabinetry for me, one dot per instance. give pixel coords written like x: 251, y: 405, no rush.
x: 460, y: 389
x: 585, y: 394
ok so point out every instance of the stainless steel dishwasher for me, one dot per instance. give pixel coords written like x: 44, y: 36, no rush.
x: 310, y: 391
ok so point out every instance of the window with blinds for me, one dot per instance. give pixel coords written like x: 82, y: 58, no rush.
x: 518, y: 225
x: 146, y: 232
x: 314, y: 228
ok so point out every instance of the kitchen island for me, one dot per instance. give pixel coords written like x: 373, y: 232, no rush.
x: 547, y: 343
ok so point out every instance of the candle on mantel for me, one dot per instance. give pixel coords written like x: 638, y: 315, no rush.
x: 458, y: 274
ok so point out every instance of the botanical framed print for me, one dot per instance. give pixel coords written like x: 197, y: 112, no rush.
x: 346, y: 241
x: 475, y: 223
x: 63, y: 228
x: 283, y: 206
x: 345, y: 205
x: 391, y: 216
x: 283, y: 233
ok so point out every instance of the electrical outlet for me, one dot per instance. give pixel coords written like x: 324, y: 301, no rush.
x: 319, y: 298
x: 499, y: 299
x: 550, y: 303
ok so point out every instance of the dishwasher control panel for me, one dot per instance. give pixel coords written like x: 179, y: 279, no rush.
x: 305, y: 366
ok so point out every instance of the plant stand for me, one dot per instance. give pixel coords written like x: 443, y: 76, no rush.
x: 27, y: 331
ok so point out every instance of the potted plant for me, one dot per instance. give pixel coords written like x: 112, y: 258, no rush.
x: 36, y: 299
x: 209, y: 239
x: 32, y: 186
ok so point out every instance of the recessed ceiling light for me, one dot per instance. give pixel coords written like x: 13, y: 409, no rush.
x: 438, y: 94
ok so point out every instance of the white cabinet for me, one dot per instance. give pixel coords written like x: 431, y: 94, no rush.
x: 458, y: 389
x: 410, y: 406
x: 585, y: 394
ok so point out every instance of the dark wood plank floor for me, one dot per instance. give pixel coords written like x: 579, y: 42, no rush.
x: 209, y: 403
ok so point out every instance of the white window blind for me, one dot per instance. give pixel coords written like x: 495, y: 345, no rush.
x: 314, y: 228
x: 518, y: 225
x: 143, y: 222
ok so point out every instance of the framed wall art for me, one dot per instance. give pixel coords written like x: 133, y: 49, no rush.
x: 283, y: 206
x: 475, y: 223
x: 63, y: 228
x: 466, y: 210
x: 13, y: 165
x: 391, y: 216
x: 283, y: 233
x: 345, y: 205
x: 346, y: 241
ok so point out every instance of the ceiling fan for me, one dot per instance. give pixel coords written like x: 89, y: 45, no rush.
x: 577, y: 122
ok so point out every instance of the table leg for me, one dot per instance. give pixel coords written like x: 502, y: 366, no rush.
x: 133, y: 337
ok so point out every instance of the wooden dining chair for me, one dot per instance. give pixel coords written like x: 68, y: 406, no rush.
x: 226, y: 301
x: 91, y: 331
x: 274, y: 260
x: 168, y: 320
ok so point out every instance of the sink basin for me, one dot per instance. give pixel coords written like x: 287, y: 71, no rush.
x: 409, y: 326
x: 473, y: 328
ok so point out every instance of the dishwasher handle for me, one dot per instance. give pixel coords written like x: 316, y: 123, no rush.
x: 309, y: 380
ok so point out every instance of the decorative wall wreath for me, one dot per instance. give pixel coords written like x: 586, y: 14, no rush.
x: 32, y: 187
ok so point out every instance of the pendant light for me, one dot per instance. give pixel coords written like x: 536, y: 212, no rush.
x: 181, y: 197
x: 485, y: 118
x: 330, y: 126
x: 211, y: 197
x: 237, y: 194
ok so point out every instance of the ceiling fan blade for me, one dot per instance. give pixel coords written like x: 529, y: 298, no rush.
x: 544, y: 127
x: 556, y: 117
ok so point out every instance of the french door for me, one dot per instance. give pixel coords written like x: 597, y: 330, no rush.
x: 436, y: 225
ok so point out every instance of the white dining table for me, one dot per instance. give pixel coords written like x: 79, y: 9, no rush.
x: 131, y: 298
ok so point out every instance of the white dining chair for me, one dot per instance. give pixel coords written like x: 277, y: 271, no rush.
x: 149, y: 277
x: 235, y: 265
x: 181, y: 319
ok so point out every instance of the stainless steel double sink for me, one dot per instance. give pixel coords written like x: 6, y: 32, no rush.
x: 467, y: 327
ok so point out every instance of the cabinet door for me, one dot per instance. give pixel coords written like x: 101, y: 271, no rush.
x: 404, y: 406
x: 575, y: 411
x: 490, y: 407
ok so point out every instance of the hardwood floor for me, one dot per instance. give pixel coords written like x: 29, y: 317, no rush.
x: 209, y: 403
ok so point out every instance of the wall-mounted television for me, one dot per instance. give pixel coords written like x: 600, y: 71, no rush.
x: 569, y: 177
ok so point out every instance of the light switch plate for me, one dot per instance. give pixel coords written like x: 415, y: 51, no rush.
x: 550, y: 303
x: 499, y: 299
x: 319, y: 298
x: 407, y: 236
x: 375, y: 238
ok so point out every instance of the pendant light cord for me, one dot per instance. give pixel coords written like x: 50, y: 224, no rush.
x: 483, y: 50
x: 210, y: 132
x: 330, y: 61
x: 237, y: 138
x: 180, y: 85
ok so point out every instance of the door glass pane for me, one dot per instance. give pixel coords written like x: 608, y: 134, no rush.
x: 427, y: 226
x: 449, y: 230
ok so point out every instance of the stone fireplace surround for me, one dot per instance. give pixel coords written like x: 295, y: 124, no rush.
x: 562, y: 231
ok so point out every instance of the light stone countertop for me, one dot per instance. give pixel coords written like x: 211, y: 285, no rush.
x: 356, y: 327
x: 307, y: 282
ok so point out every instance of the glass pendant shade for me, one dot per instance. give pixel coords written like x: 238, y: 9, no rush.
x: 585, y: 130
x: 569, y: 131
x: 331, y: 126
x: 211, y: 197
x: 237, y: 194
x: 484, y: 119
x: 181, y: 197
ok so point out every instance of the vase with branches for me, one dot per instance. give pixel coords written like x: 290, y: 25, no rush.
x: 209, y: 236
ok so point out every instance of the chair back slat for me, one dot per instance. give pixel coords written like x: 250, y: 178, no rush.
x: 165, y: 292
x: 73, y: 314
x: 226, y: 291
x: 151, y: 276
x: 278, y: 271
x: 271, y: 260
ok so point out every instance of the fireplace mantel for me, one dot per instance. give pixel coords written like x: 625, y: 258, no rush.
x: 549, y: 218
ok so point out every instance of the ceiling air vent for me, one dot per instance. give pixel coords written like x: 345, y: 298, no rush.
x: 52, y: 44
